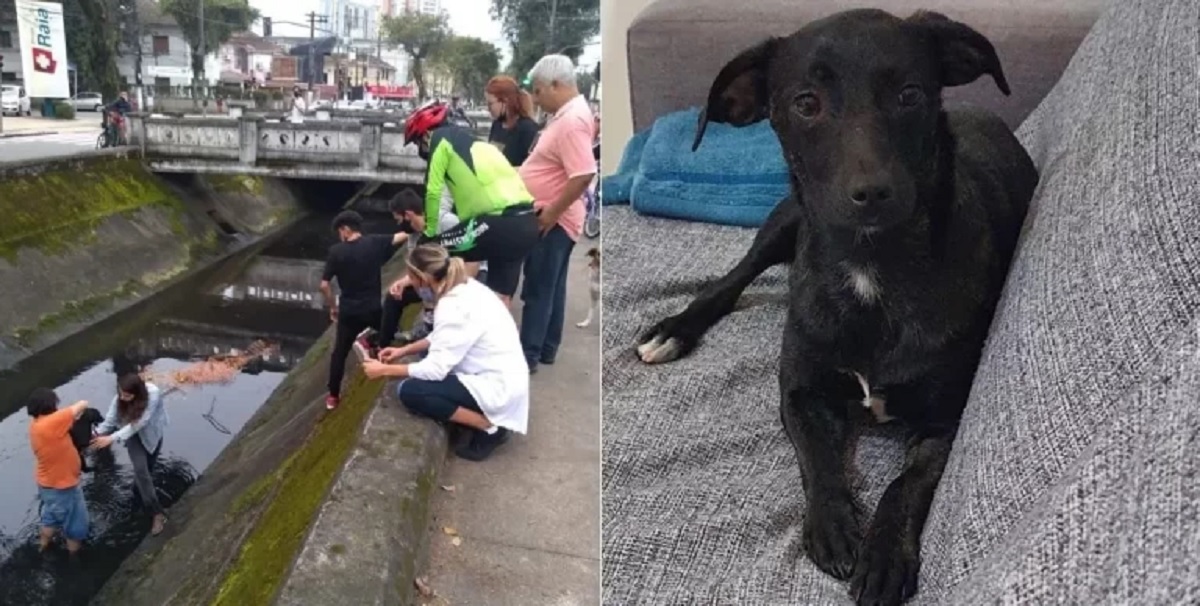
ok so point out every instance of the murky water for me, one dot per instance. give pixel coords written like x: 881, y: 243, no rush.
x: 268, y: 294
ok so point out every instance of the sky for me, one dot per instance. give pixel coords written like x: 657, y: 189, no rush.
x: 467, y: 18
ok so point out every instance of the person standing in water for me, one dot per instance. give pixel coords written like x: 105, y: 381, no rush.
x: 137, y: 419
x: 63, y: 508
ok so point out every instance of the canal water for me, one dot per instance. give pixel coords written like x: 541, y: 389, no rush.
x: 267, y: 292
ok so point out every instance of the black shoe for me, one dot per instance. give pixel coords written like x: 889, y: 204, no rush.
x: 482, y: 445
x: 547, y: 360
x: 532, y: 367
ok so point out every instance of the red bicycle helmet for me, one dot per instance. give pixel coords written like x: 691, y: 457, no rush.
x: 423, y: 120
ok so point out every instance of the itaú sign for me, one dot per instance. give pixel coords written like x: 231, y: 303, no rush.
x: 43, y: 48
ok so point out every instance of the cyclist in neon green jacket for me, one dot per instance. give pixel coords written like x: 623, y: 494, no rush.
x: 497, y: 220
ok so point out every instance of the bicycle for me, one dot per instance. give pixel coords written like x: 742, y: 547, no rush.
x: 591, y: 198
x: 112, y: 135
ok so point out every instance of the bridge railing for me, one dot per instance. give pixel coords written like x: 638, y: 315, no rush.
x: 369, y: 149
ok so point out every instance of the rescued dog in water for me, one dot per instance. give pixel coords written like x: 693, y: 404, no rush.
x: 901, y: 223
x: 81, y: 433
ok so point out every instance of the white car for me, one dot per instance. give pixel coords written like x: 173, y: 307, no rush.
x: 88, y: 102
x: 14, y: 100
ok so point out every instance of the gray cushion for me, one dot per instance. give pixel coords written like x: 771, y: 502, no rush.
x: 676, y: 47
x: 1074, y: 476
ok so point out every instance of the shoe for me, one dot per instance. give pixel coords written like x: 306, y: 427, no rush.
x: 482, y: 445
x: 547, y: 360
x: 332, y: 401
x: 532, y: 368
x: 156, y: 527
x: 364, y: 339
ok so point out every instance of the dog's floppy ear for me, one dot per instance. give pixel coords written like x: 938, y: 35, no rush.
x: 739, y: 94
x: 964, y: 53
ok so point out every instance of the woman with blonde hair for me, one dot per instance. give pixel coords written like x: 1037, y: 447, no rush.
x: 513, y: 128
x: 474, y: 373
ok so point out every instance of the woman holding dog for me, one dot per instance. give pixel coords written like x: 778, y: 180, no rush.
x: 474, y: 373
x: 137, y: 419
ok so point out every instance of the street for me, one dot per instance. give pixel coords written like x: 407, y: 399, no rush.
x: 35, y: 137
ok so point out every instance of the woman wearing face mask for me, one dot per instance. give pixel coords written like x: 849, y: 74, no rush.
x: 474, y: 373
x: 138, y: 420
x: 497, y: 222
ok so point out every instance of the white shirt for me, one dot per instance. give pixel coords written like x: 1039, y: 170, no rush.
x: 474, y: 337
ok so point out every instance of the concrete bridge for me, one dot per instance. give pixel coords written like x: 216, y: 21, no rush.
x: 365, y: 148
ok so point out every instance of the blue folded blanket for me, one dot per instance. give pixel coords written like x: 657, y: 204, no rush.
x: 735, y: 178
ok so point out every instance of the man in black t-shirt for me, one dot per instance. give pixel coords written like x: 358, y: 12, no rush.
x: 355, y: 262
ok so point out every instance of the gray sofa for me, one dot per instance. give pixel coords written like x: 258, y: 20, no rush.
x: 1075, y: 477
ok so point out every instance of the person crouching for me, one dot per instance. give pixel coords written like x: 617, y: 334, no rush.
x: 474, y: 373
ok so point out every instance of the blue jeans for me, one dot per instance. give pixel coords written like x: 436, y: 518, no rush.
x: 65, y: 509
x: 435, y: 399
x: 545, y: 296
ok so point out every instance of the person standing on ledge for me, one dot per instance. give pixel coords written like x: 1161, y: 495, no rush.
x: 355, y: 262
x: 557, y: 172
x: 63, y: 508
x: 138, y: 420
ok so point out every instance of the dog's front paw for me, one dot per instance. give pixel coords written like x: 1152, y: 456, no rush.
x: 668, y: 340
x: 886, y: 571
x: 831, y: 537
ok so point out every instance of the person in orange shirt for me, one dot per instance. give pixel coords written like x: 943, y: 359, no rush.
x: 57, y: 473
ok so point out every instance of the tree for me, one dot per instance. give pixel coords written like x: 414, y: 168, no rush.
x: 94, y: 49
x: 526, y: 25
x: 421, y: 36
x: 586, y: 81
x: 471, y: 62
x: 222, y: 19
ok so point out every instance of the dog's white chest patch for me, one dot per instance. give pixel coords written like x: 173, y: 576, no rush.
x: 864, y: 284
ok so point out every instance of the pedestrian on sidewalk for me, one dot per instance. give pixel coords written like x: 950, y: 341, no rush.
x: 474, y: 373
x: 137, y: 419
x: 557, y: 172
x: 355, y: 262
x: 63, y: 508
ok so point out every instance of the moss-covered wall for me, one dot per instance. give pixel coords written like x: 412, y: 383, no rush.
x: 80, y: 237
x: 235, y: 534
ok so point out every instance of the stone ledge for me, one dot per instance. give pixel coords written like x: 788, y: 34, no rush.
x: 371, y: 535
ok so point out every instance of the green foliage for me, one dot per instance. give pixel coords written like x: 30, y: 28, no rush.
x: 421, y: 37
x: 526, y: 26
x: 222, y: 19
x: 94, y: 49
x: 471, y: 62
x: 64, y: 111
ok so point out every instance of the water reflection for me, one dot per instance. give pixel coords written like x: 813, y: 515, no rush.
x: 272, y: 298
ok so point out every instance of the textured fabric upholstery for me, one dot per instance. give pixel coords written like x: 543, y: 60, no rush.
x: 1074, y: 477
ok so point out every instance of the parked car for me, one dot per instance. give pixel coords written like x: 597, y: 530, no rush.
x: 88, y: 102
x: 14, y: 100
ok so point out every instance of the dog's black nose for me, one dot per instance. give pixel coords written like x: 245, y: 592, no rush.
x: 867, y: 194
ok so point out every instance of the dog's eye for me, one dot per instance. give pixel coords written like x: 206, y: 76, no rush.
x: 911, y: 95
x: 807, y: 104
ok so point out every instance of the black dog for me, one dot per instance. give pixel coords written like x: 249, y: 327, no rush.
x: 81, y: 434
x: 899, y: 230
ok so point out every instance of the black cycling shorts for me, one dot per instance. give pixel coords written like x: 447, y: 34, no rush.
x: 503, y: 240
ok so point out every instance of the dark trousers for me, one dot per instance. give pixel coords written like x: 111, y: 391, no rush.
x: 436, y: 399
x: 143, y: 481
x: 393, y: 308
x: 545, y: 296
x: 348, y: 327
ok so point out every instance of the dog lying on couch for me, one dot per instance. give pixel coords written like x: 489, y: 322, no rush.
x: 899, y: 231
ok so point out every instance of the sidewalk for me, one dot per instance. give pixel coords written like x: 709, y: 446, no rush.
x: 528, y: 519
x: 37, y: 125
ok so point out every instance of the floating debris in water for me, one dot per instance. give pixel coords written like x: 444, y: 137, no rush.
x: 215, y: 369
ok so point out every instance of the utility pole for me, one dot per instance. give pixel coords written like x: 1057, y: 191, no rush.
x: 203, y: 100
x: 553, y: 15
x: 313, y: 20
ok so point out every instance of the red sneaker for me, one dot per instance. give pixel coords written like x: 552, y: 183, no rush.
x: 331, y: 402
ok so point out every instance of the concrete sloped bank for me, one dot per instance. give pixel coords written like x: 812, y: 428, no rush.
x: 302, y: 507
x: 85, y: 236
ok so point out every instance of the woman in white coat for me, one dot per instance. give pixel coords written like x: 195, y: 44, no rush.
x: 475, y: 373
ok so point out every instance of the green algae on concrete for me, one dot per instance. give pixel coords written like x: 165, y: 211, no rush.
x: 56, y: 210
x: 74, y: 311
x: 268, y: 552
x: 236, y: 184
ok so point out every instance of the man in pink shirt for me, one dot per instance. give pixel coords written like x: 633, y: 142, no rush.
x: 557, y: 172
